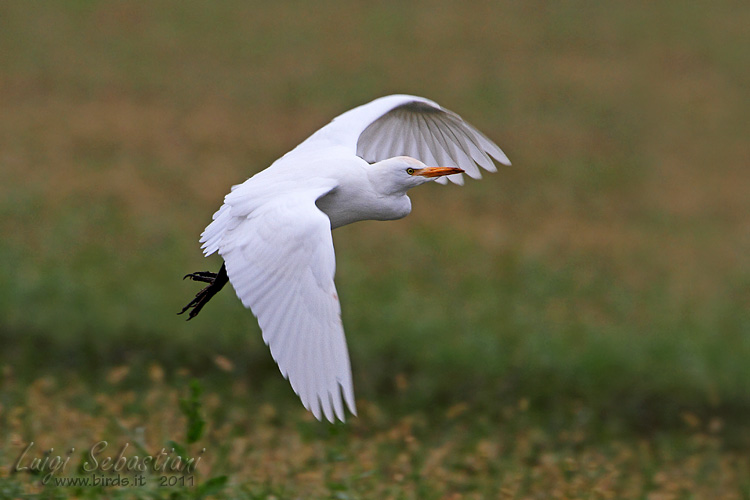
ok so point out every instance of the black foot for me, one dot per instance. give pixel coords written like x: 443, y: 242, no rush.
x: 204, y: 276
x: 216, y: 282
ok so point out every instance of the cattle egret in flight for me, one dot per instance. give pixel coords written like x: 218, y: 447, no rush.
x: 274, y: 230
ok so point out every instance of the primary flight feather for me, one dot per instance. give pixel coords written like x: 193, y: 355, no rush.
x: 274, y: 230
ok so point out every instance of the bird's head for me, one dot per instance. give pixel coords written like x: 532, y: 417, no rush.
x: 398, y: 175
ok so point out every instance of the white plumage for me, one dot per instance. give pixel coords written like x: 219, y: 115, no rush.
x: 274, y: 230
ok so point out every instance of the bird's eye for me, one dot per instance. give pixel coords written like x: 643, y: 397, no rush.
x: 410, y: 171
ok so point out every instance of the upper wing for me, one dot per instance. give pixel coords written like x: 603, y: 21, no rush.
x: 412, y: 126
x: 280, y: 260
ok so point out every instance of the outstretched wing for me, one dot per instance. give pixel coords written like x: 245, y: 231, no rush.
x: 413, y: 126
x: 280, y: 260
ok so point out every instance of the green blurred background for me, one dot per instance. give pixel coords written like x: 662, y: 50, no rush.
x: 609, y: 266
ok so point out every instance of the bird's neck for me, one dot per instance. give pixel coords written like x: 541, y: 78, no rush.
x: 346, y: 205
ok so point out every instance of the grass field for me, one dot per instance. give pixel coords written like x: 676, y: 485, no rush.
x: 574, y: 326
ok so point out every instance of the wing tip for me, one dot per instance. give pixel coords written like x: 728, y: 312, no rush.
x: 502, y: 159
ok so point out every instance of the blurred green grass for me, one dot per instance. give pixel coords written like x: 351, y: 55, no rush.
x: 609, y: 267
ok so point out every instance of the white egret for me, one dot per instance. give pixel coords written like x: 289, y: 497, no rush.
x: 274, y: 230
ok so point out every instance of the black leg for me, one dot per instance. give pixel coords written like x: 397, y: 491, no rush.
x: 216, y: 282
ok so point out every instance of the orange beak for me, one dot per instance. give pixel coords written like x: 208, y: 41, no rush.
x: 438, y: 171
